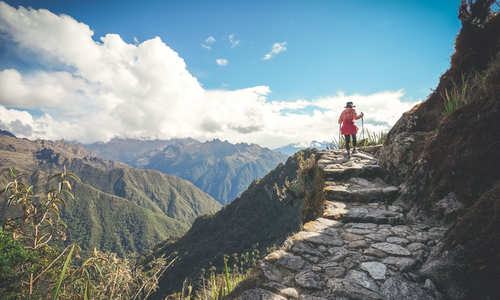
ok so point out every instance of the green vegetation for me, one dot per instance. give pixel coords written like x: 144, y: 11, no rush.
x: 216, y: 284
x: 456, y: 96
x: 120, y: 209
x: 31, y: 262
x: 219, y: 168
x: 366, y: 138
x: 265, y: 214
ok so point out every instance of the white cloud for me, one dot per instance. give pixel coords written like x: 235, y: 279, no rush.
x: 208, y: 42
x: 221, y: 62
x: 275, y: 50
x: 232, y: 41
x: 112, y: 88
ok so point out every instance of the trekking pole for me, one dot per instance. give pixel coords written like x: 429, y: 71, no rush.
x: 363, y: 126
x: 339, y: 136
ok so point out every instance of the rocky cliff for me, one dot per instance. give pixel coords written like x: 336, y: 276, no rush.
x: 447, y: 164
x: 437, y: 236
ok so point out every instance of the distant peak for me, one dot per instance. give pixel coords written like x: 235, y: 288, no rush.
x: 7, y: 133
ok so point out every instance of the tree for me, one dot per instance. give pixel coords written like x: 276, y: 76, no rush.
x: 476, y: 12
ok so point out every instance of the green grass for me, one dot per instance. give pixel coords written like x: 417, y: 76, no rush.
x: 365, y: 138
x: 218, y: 284
x: 456, y: 96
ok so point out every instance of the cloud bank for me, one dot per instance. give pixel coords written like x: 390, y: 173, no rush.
x: 108, y: 88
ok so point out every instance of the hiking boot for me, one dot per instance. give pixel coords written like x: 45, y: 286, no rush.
x: 354, y: 151
x: 348, y: 155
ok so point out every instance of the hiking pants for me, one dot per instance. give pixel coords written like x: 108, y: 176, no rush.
x: 348, y: 141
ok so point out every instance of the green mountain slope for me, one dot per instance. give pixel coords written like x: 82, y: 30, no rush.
x: 221, y: 169
x: 117, y: 207
x: 263, y: 216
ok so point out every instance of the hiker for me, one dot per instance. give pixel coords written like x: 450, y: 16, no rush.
x: 348, y: 128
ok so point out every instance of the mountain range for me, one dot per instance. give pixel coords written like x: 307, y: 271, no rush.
x: 219, y: 168
x: 290, y: 149
x: 116, y: 207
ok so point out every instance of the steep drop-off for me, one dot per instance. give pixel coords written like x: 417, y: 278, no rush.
x: 219, y: 168
x: 117, y: 208
x: 264, y: 215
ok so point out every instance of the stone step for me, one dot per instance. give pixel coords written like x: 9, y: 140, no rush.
x: 360, y: 190
x: 377, y: 213
x: 346, y: 171
x: 335, y: 260
x: 336, y: 165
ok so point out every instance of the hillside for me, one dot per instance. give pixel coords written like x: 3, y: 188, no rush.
x: 117, y: 208
x: 442, y: 155
x: 447, y: 163
x: 219, y: 168
x: 263, y: 216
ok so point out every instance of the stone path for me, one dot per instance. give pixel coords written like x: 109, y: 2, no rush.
x: 362, y: 248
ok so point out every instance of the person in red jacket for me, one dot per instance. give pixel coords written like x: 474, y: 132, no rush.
x: 349, y: 129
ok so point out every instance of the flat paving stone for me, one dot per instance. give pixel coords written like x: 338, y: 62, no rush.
x: 360, y: 190
x: 259, y: 293
x: 392, y: 249
x: 318, y: 238
x: 362, y: 279
x: 401, y: 263
x: 358, y: 249
x: 308, y: 280
x: 361, y: 213
x: 375, y: 269
x: 397, y: 240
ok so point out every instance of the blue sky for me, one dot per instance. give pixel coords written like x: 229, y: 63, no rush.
x: 360, y: 48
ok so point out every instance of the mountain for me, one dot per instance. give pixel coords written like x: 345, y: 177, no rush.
x: 291, y: 149
x: 117, y: 207
x: 130, y: 151
x: 444, y: 156
x: 7, y: 133
x: 444, y: 153
x: 219, y: 168
x: 263, y: 216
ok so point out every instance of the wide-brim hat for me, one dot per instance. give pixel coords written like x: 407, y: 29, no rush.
x: 349, y: 104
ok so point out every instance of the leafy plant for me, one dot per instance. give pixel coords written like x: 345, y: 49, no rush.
x: 28, y: 251
x: 456, y: 96
x: 39, y: 222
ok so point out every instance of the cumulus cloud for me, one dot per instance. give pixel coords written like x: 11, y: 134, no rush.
x: 233, y: 41
x: 221, y: 62
x: 111, y: 88
x: 208, y: 42
x: 275, y: 50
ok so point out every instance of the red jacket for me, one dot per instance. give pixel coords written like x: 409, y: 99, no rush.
x: 347, y: 120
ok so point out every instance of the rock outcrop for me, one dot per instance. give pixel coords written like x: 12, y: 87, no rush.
x: 447, y: 165
x: 363, y: 247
